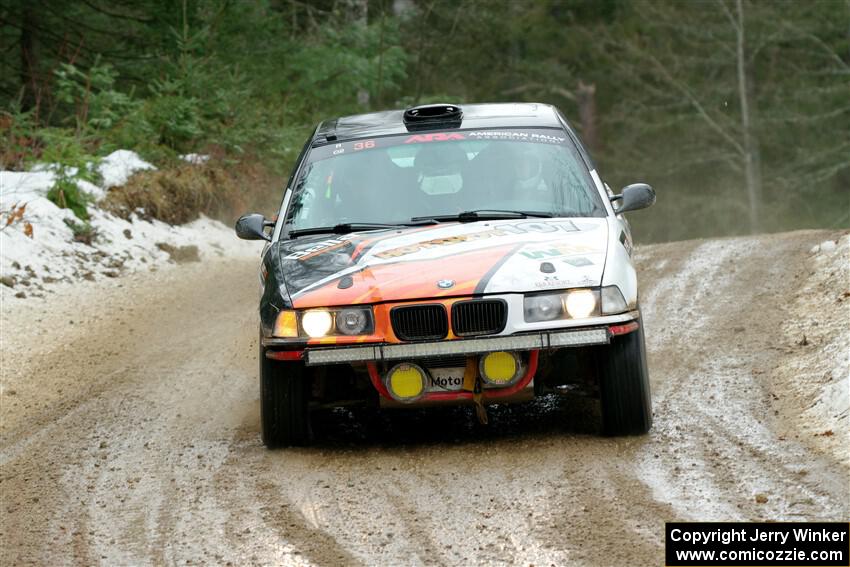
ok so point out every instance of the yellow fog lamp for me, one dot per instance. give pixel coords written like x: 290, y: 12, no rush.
x: 500, y: 368
x: 405, y: 382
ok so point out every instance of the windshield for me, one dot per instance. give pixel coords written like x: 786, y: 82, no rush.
x: 393, y: 179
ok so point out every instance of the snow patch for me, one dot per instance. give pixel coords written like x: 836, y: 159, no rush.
x: 196, y: 159
x: 116, y: 168
x: 825, y: 246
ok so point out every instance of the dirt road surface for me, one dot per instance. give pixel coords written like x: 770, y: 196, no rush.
x: 130, y: 429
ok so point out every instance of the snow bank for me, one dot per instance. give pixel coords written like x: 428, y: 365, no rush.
x: 821, y: 365
x: 22, y: 186
x: 29, y: 265
x: 115, y: 169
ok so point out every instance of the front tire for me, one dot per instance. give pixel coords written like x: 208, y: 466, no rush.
x: 624, y: 385
x: 284, y: 398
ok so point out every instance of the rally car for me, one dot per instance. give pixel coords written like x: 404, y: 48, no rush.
x: 448, y: 254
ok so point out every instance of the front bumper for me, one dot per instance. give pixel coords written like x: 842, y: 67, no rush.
x: 571, y: 333
x: 387, y: 352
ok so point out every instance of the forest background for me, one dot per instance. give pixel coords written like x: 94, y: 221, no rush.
x: 736, y: 111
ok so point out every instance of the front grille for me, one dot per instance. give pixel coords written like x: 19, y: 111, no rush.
x: 420, y: 322
x: 479, y: 317
x: 442, y: 361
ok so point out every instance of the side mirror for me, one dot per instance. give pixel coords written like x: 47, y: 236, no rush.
x: 635, y: 196
x: 252, y: 227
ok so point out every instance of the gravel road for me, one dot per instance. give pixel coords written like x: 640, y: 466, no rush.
x: 130, y: 429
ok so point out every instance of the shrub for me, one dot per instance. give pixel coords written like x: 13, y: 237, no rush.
x: 69, y: 159
x: 178, y: 195
x: 97, y: 104
x: 66, y: 194
x: 18, y: 140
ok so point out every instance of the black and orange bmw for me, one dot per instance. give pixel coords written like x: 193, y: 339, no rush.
x: 448, y: 255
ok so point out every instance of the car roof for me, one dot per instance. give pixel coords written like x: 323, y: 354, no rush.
x: 486, y: 115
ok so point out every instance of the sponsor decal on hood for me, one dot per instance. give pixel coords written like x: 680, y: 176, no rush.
x: 505, y: 256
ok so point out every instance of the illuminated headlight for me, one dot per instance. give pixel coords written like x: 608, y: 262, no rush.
x: 405, y: 382
x: 612, y: 300
x: 570, y: 304
x: 316, y: 323
x: 580, y: 303
x: 353, y: 321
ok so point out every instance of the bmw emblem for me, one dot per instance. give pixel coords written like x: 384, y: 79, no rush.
x: 445, y: 284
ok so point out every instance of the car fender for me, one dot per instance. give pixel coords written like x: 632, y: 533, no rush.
x: 619, y: 269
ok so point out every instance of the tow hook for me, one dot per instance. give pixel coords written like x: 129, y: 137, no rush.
x: 480, y: 410
x: 472, y: 381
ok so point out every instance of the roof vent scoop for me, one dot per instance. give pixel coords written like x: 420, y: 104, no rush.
x: 429, y: 116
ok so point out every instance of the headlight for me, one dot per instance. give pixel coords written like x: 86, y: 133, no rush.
x: 354, y: 321
x: 580, y: 303
x: 612, y: 300
x: 316, y: 323
x: 543, y: 307
x: 570, y: 304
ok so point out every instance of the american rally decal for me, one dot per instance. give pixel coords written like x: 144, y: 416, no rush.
x: 496, y: 257
x: 520, y: 135
x: 533, y: 135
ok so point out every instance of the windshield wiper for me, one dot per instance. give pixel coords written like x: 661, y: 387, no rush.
x: 485, y: 214
x: 348, y: 227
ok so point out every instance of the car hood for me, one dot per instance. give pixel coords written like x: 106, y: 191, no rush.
x: 484, y: 257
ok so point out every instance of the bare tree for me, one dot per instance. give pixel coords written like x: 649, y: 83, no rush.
x: 752, y: 163
x: 687, y: 68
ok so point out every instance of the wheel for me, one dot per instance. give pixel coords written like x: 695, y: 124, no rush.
x: 624, y: 385
x: 284, y: 397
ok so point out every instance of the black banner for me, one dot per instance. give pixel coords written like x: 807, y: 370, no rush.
x: 813, y: 544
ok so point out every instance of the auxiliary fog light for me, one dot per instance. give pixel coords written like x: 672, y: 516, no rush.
x: 500, y: 368
x: 316, y: 323
x: 405, y: 382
